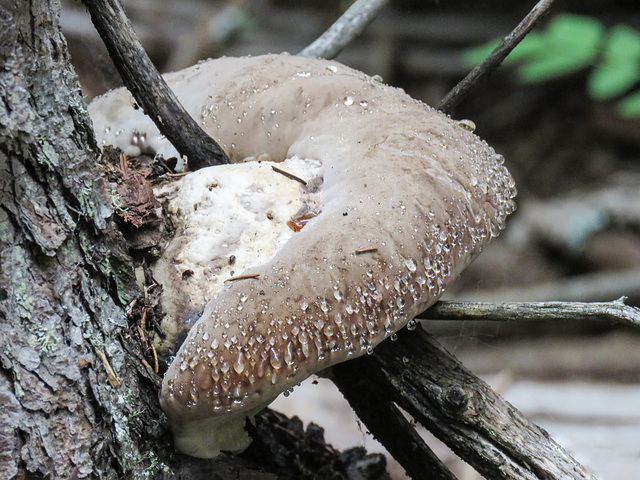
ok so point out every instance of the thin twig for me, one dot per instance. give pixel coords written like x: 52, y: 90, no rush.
x: 146, y: 365
x: 366, y: 250
x: 156, y: 364
x: 288, y: 175
x: 496, y: 57
x: 351, y: 24
x: 111, y: 375
x: 242, y: 277
x: 149, y: 88
x: 613, y: 312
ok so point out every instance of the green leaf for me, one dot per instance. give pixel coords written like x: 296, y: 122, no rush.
x: 533, y: 44
x: 613, y: 78
x: 622, y: 44
x: 569, y: 32
x: 475, y: 55
x: 545, y: 68
x: 629, y: 107
x: 574, y: 42
x: 570, y: 44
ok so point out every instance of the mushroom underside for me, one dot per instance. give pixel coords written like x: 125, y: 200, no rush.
x: 393, y: 200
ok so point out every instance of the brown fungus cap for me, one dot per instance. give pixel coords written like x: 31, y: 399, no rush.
x: 409, y: 198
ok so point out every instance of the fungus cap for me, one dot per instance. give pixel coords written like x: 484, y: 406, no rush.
x: 405, y: 198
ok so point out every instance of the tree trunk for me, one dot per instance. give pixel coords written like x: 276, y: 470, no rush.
x: 65, y: 277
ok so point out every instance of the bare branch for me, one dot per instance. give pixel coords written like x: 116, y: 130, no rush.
x: 351, y: 24
x: 418, y: 375
x: 149, y: 88
x: 613, y: 312
x: 496, y: 57
x: 389, y: 426
x: 421, y: 377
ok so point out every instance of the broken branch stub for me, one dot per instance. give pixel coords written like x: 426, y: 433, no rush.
x: 404, y: 198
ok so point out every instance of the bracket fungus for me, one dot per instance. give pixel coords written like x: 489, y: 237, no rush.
x: 394, y: 200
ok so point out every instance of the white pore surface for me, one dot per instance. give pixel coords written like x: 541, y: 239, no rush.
x: 229, y: 218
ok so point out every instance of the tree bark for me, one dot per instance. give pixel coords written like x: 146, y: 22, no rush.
x: 65, y: 276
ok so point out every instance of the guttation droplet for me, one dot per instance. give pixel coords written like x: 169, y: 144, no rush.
x: 323, y: 306
x: 411, y: 264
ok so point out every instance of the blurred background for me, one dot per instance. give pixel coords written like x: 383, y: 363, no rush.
x: 570, y: 143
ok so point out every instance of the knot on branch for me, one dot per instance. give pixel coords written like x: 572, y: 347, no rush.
x: 456, y: 400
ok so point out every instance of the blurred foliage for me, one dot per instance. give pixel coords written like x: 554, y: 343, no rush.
x: 573, y: 43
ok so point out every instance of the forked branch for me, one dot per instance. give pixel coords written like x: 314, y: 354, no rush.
x: 421, y: 377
